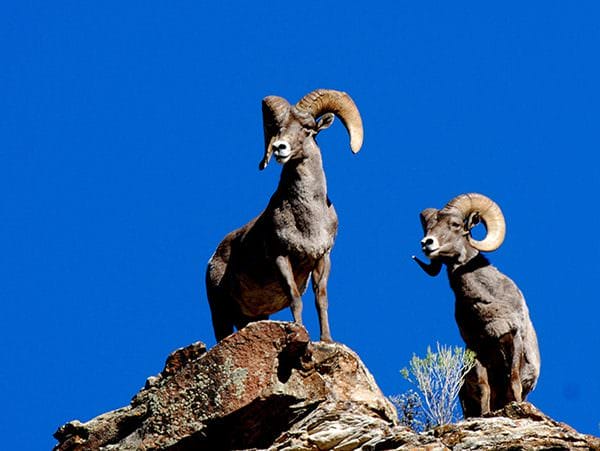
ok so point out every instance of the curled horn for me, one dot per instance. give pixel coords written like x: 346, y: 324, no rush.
x: 275, y: 110
x: 339, y: 103
x: 489, y: 213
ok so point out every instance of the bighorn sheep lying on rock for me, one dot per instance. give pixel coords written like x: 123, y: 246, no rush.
x: 264, y: 266
x: 490, y: 310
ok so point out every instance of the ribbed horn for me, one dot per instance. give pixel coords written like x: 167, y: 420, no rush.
x: 321, y: 101
x: 489, y: 213
x: 275, y: 110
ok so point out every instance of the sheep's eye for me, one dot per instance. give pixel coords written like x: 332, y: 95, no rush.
x: 455, y: 225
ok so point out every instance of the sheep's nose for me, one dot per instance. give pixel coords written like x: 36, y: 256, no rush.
x: 281, y: 148
x: 429, y: 242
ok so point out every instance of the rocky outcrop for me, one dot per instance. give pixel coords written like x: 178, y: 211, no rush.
x: 518, y: 426
x: 246, y: 392
x: 269, y: 387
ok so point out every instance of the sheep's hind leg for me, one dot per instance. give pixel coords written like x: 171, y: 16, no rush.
x: 243, y: 320
x: 320, y: 275
x: 222, y: 322
x: 286, y: 273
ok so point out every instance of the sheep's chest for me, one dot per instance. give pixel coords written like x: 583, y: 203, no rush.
x: 306, y: 232
x: 482, y: 307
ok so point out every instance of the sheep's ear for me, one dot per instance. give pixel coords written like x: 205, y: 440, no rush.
x: 325, y: 121
x: 264, y: 162
x: 268, y: 152
x: 432, y: 269
x: 472, y: 220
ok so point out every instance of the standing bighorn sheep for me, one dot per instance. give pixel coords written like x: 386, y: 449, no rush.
x: 265, y: 265
x: 490, y: 310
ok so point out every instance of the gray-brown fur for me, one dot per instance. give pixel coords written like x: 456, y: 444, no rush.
x: 264, y: 266
x: 490, y: 310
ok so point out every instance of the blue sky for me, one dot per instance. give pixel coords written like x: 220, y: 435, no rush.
x: 130, y: 137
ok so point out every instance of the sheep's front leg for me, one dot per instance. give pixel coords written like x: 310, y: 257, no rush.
x: 475, y: 392
x: 284, y: 266
x: 320, y: 275
x: 512, y: 348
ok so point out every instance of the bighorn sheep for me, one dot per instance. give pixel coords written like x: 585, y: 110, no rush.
x: 265, y: 265
x: 490, y: 310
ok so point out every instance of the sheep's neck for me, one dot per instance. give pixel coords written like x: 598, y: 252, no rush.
x: 305, y: 222
x: 303, y: 183
x: 462, y: 263
x: 474, y: 262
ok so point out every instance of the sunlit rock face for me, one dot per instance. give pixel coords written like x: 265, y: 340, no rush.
x: 246, y: 392
x: 268, y: 387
